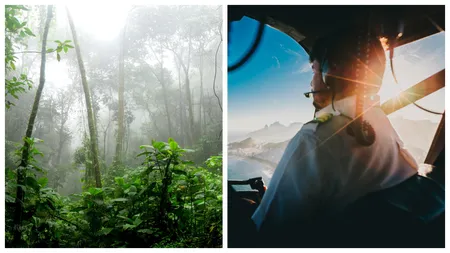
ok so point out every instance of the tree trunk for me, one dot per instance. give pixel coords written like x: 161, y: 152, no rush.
x: 188, y: 91
x: 87, y: 95
x: 166, y: 102
x: 215, y: 74
x: 161, y: 80
x: 188, y: 94
x: 106, y: 138
x: 66, y: 102
x: 105, y: 134
x: 61, y: 143
x: 21, y: 173
x: 201, y: 128
x: 128, y: 140
x: 120, y: 121
x: 182, y: 135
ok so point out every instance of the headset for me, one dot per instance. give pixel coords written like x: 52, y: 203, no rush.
x: 354, y: 62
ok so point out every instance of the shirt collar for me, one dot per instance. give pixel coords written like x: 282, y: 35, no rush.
x: 347, y: 106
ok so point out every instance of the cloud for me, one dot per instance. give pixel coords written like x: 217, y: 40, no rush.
x: 290, y: 51
x: 305, y: 68
x: 278, y: 62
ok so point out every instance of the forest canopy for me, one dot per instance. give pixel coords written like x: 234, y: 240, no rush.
x: 113, y: 126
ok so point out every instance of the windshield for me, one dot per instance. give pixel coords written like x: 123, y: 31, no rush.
x: 266, y: 106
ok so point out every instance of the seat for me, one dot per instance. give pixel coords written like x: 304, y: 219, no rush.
x: 408, y: 215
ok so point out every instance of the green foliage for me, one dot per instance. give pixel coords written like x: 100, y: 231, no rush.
x: 61, y: 46
x: 166, y: 202
x: 214, y: 163
x: 16, y: 34
x: 83, y: 157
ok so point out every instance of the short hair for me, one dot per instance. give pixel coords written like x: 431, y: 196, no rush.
x: 340, y: 49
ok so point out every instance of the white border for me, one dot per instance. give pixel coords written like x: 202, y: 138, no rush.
x: 225, y: 127
x: 225, y: 115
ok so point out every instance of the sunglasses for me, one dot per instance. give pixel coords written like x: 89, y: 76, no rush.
x: 308, y: 94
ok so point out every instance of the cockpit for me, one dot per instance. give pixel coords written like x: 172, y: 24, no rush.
x: 268, y: 73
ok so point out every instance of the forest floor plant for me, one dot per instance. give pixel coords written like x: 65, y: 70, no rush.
x: 166, y: 202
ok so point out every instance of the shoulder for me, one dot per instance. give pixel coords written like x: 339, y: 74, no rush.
x: 314, y: 124
x: 328, y: 129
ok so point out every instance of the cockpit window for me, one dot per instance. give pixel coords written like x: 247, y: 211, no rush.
x: 413, y: 63
x: 266, y: 106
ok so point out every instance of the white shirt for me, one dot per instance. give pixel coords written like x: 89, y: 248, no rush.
x: 323, y: 169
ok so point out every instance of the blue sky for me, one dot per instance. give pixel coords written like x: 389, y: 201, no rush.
x: 274, y: 79
x: 270, y: 86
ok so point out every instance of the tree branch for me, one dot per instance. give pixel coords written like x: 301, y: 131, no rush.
x: 30, y: 52
x: 215, y: 75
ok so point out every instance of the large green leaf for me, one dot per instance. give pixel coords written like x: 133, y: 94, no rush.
x: 146, y: 146
x: 119, y: 180
x: 95, y: 191
x: 144, y: 153
x: 137, y: 221
x: 132, y: 189
x: 199, y: 196
x: 179, y: 172
x: 125, y: 218
x: 29, y: 32
x: 9, y: 198
x: 105, y: 231
x: 158, y: 145
x: 43, y: 181
x: 173, y: 145
x: 199, y: 202
x: 120, y: 200
x: 77, y: 209
x: 31, y: 182
x: 128, y: 226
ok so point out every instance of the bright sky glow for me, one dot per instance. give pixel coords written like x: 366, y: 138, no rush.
x: 103, y: 21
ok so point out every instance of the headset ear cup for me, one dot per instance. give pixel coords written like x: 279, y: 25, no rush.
x: 329, y: 73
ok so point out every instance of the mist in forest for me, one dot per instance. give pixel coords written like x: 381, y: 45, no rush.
x: 130, y: 112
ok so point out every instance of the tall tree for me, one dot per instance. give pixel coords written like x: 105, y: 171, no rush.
x: 180, y: 104
x: 120, y: 118
x: 215, y: 67
x: 186, y: 67
x: 162, y: 80
x: 64, y: 103
x: 90, y: 113
x: 21, y: 171
x: 201, y: 102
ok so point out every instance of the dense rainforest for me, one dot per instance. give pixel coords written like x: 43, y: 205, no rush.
x: 113, y: 131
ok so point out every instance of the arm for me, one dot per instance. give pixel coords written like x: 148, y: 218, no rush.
x: 305, y: 178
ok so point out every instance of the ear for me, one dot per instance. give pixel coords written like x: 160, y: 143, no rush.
x: 330, y: 72
x: 335, y: 69
x: 339, y: 73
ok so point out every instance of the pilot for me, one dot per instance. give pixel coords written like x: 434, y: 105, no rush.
x: 324, y: 168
